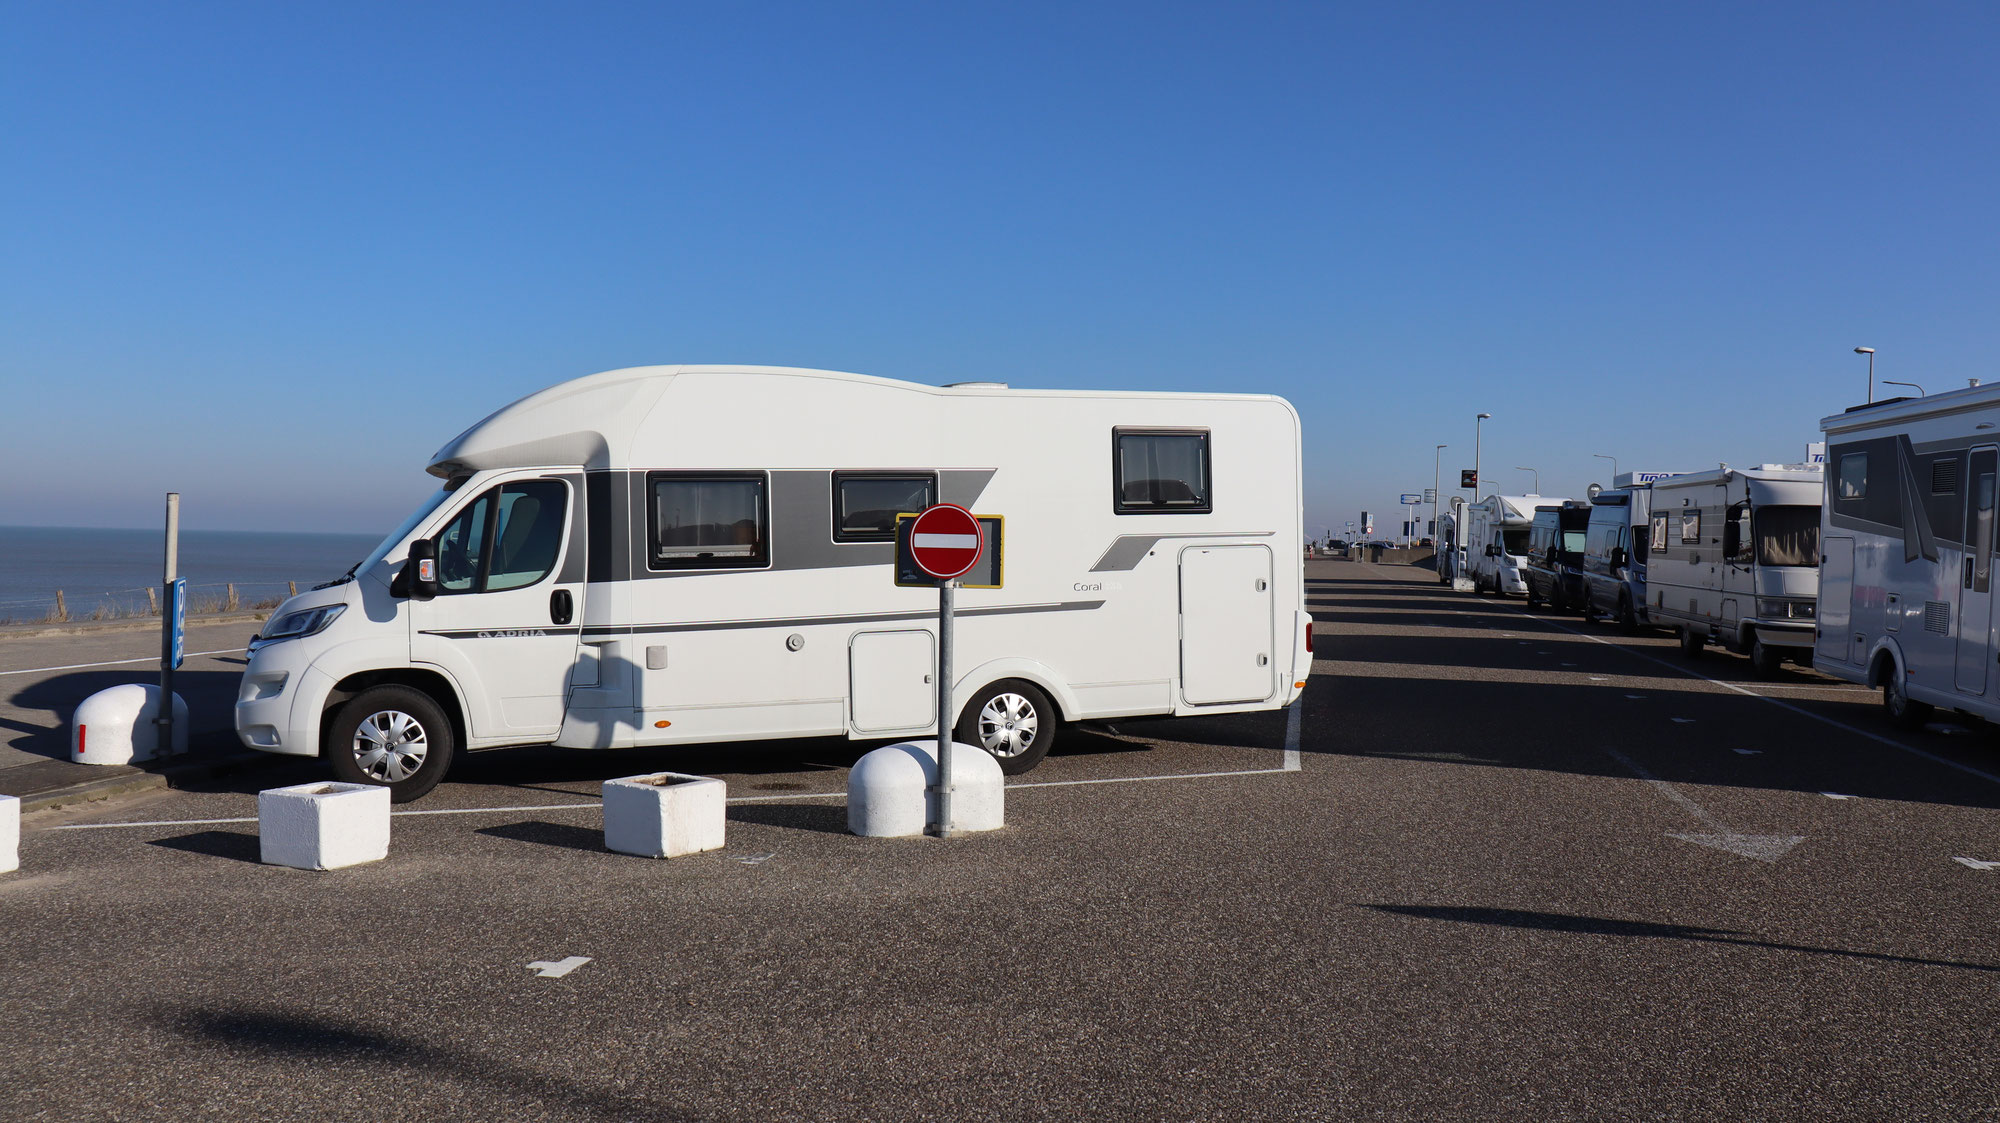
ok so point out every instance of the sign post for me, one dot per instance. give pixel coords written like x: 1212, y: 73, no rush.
x: 173, y: 626
x: 945, y: 542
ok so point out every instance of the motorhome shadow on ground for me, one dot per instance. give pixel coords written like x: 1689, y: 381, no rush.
x: 678, y: 555
x: 1906, y: 593
x: 1733, y: 560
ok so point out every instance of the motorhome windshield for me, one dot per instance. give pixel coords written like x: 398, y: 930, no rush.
x: 1787, y: 535
x: 1572, y: 542
x: 1514, y: 539
x: 422, y: 512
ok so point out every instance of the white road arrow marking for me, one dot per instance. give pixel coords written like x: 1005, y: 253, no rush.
x: 1976, y: 864
x: 1683, y: 721
x: 1835, y: 795
x: 754, y: 859
x: 1635, y: 697
x: 1748, y: 752
x: 559, y: 968
x: 1762, y: 847
x: 1597, y: 678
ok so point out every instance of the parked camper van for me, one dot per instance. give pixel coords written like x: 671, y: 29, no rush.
x: 1496, y: 542
x: 1733, y: 558
x: 1614, y: 556
x: 674, y: 555
x: 1554, y: 569
x: 1906, y: 552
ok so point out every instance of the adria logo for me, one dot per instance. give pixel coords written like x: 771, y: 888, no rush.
x: 513, y: 633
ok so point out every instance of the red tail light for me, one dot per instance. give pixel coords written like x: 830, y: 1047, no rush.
x: 1309, y: 635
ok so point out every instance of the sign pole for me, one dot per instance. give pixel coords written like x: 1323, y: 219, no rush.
x: 165, y: 721
x: 946, y: 597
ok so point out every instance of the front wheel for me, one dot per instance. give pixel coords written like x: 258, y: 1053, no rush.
x: 393, y: 737
x: 1627, y: 620
x: 1012, y: 720
x: 1902, y: 709
x: 1765, y: 659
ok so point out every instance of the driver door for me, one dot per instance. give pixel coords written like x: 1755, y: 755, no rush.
x: 506, y: 618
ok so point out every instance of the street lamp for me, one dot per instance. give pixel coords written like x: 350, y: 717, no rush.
x: 1538, y: 478
x: 1614, y: 465
x: 1437, y: 481
x: 1870, y: 352
x: 1911, y: 385
x: 1477, y: 479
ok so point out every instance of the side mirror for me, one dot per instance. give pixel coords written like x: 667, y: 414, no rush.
x: 1618, y: 555
x: 419, y: 577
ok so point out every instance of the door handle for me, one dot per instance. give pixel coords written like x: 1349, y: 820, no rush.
x: 561, y: 606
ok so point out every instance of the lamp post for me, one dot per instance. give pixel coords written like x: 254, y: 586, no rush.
x: 1477, y: 479
x: 1538, y: 478
x: 1911, y: 385
x: 1614, y: 465
x: 1870, y: 352
x: 1437, y: 481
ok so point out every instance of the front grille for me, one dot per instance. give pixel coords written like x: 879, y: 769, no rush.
x: 1937, y: 617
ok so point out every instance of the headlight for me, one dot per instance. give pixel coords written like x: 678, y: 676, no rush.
x: 305, y: 622
x: 1772, y: 608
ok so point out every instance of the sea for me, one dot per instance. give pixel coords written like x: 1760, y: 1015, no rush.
x: 108, y: 572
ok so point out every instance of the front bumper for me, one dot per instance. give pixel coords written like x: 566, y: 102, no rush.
x: 277, y: 703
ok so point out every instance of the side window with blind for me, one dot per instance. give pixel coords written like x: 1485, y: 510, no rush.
x: 708, y: 520
x: 865, y: 504
x: 1160, y: 472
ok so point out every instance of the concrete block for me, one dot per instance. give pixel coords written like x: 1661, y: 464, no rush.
x: 664, y: 814
x: 10, y: 834
x: 115, y: 726
x: 323, y: 826
x: 888, y: 790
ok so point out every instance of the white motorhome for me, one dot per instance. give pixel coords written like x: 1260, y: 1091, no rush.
x: 1496, y: 541
x: 1906, y: 552
x: 1733, y: 559
x: 694, y: 554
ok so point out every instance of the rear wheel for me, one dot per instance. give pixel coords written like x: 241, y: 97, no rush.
x: 1901, y: 708
x: 1012, y: 720
x: 394, y: 737
x: 1534, y: 598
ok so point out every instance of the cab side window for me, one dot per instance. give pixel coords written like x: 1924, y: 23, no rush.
x: 508, y: 538
x: 462, y: 547
x: 527, y: 534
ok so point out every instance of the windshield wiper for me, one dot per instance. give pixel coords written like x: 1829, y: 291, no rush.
x: 340, y: 580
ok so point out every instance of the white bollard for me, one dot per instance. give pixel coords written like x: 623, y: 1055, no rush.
x: 115, y: 726
x: 664, y: 814
x: 888, y: 790
x: 10, y: 834
x: 323, y: 826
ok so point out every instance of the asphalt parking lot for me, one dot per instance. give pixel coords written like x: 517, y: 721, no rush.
x: 1497, y: 864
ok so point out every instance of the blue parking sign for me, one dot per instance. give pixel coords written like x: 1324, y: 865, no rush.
x: 177, y: 612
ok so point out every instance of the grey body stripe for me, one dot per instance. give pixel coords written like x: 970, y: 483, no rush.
x: 801, y: 521
x: 1127, y: 549
x: 852, y: 618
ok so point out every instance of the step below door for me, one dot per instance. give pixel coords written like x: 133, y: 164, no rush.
x: 1227, y: 645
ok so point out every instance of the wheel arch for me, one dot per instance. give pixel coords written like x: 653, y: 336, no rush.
x: 1028, y: 670
x: 434, y: 684
x: 1885, y: 660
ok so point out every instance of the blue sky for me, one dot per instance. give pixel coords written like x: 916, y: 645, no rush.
x: 275, y: 255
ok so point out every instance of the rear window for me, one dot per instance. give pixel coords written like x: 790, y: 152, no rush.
x: 1160, y: 471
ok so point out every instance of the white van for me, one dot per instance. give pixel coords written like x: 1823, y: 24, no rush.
x: 693, y: 554
x: 1496, y: 541
x: 1733, y: 559
x: 1907, y: 543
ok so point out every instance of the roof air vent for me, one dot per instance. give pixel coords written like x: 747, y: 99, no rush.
x: 975, y: 385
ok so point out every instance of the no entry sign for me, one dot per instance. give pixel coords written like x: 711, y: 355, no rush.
x: 945, y: 541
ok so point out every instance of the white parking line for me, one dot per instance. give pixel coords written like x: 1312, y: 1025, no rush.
x: 122, y: 662
x: 1292, y: 735
x: 1783, y: 705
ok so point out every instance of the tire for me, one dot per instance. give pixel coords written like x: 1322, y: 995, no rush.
x: 393, y: 737
x: 1901, y: 708
x: 1534, y: 601
x: 1014, y: 721
x: 1691, y: 643
x: 1765, y: 659
x: 1628, y: 621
